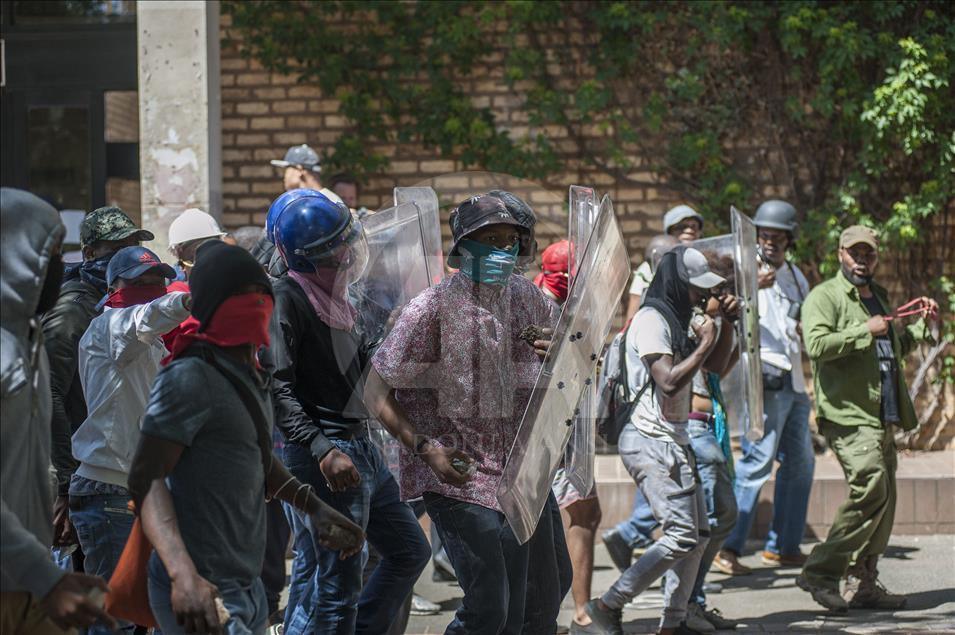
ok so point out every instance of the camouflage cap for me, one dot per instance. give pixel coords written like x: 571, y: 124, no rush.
x: 110, y: 223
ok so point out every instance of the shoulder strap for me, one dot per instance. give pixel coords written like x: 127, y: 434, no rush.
x: 248, y: 400
x: 792, y: 272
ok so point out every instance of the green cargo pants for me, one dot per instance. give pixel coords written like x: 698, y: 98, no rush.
x: 863, y: 523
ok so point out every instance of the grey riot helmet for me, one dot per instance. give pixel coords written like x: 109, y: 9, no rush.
x: 776, y: 214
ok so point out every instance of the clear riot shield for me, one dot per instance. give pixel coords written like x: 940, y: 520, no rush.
x: 397, y: 271
x: 578, y: 340
x: 579, y: 456
x: 426, y: 200
x: 743, y: 386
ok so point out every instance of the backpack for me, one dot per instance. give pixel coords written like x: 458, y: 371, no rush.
x: 615, y: 403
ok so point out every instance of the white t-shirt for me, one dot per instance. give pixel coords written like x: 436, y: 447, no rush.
x: 655, y: 415
x: 780, y: 345
x: 641, y: 279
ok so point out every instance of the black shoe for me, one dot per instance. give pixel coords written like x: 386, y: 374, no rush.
x: 683, y: 629
x: 620, y: 552
x: 605, y: 621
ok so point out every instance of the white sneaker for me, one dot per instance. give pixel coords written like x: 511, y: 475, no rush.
x: 696, y: 620
x: 646, y: 600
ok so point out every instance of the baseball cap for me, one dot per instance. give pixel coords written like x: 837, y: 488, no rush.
x: 110, y: 223
x: 698, y: 270
x: 132, y: 262
x: 858, y: 234
x: 302, y: 156
x: 678, y: 214
x: 475, y: 213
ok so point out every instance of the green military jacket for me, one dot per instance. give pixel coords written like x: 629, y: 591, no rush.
x: 845, y: 364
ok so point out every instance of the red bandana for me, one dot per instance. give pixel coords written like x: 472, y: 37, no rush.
x: 556, y: 282
x: 241, y: 319
x: 131, y: 296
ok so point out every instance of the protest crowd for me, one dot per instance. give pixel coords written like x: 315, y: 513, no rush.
x: 170, y: 432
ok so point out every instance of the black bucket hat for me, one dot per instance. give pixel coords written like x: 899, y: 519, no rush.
x: 475, y: 213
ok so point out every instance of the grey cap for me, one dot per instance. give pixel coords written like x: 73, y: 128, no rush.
x: 302, y: 156
x: 678, y: 214
x: 698, y: 270
x: 776, y: 214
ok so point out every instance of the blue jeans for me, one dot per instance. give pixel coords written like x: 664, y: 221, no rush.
x: 247, y: 606
x: 489, y: 562
x: 333, y: 600
x: 718, y: 494
x: 103, y: 523
x: 787, y: 440
x: 552, y: 574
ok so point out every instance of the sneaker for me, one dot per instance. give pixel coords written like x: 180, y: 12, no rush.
x: 618, y: 549
x: 275, y: 629
x: 696, y: 620
x: 875, y: 596
x: 771, y: 559
x: 720, y: 623
x: 686, y: 629
x: 728, y: 562
x: 824, y: 596
x: 646, y: 600
x: 422, y: 606
x: 606, y: 621
x: 581, y: 629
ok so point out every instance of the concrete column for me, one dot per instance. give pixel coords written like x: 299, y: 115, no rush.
x: 180, y: 138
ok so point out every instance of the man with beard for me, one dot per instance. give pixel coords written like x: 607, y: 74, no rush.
x: 318, y: 357
x: 36, y: 597
x: 103, y: 232
x: 856, y: 347
x: 119, y: 358
x: 672, y: 339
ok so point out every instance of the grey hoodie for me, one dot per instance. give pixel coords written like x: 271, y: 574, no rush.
x: 29, y: 231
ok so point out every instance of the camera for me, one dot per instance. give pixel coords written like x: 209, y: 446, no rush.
x: 795, y: 311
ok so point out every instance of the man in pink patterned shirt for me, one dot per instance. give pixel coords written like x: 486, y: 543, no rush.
x: 451, y: 382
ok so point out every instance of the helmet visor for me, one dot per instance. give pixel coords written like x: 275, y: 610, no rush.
x: 347, y: 254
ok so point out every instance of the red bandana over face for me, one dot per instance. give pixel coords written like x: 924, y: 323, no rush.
x: 239, y: 320
x: 131, y: 296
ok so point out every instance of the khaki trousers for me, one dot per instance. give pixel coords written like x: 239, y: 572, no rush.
x: 863, y: 523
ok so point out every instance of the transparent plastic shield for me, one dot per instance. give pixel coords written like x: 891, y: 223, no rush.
x: 426, y: 201
x: 397, y: 269
x: 578, y: 340
x: 580, y: 453
x: 742, y: 387
x: 750, y: 365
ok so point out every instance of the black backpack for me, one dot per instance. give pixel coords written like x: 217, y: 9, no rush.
x: 615, y: 403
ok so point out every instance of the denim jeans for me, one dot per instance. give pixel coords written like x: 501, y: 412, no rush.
x: 549, y: 580
x: 489, y: 562
x: 247, y: 606
x: 665, y: 472
x: 637, y: 530
x: 719, y: 497
x: 786, y: 439
x: 333, y: 600
x: 103, y: 523
x: 276, y: 544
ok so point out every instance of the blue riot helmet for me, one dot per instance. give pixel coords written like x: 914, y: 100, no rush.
x: 280, y: 204
x: 312, y: 233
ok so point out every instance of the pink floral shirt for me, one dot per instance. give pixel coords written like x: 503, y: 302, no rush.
x: 464, y: 377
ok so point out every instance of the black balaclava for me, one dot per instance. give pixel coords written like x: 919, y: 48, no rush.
x: 221, y: 270
x: 669, y: 293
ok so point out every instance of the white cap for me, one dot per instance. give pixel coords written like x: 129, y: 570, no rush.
x: 193, y: 224
x: 698, y: 270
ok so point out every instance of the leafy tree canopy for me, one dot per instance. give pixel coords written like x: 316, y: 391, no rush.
x: 847, y: 106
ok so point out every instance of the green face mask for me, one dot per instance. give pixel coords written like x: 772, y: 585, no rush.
x: 486, y: 264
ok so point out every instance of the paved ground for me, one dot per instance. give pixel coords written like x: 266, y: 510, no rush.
x: 768, y: 601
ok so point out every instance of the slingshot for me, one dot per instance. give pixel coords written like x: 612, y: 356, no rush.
x: 914, y: 307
